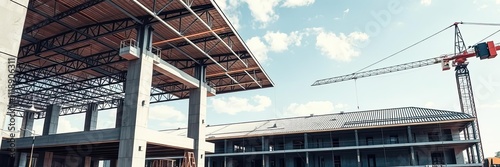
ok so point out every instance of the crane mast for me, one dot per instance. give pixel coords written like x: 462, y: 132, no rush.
x: 486, y: 50
x: 466, y: 97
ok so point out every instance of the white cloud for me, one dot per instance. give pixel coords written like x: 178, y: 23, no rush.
x: 164, y: 112
x: 258, y: 48
x: 313, y: 107
x: 263, y: 11
x: 230, y: 9
x: 339, y: 47
x: 275, y: 42
x: 426, y: 2
x: 279, y: 41
x: 498, y: 2
x: 234, y: 105
x: 297, y: 3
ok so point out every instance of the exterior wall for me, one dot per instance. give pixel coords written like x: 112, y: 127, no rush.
x: 380, y: 146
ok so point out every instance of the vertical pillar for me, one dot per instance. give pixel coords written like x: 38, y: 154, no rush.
x: 265, y: 147
x: 51, y: 119
x: 306, y: 146
x: 44, y: 159
x: 132, y: 147
x: 87, y: 161
x: 90, y: 117
x: 113, y: 163
x: 410, y: 140
x: 357, y: 149
x: 197, y: 115
x: 13, y: 15
x: 27, y: 124
x: 23, y: 159
x: 119, y: 114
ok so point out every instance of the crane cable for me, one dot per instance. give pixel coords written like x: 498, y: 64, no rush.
x: 404, y: 49
x: 416, y: 43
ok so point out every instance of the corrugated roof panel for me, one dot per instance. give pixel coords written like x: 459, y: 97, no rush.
x: 337, y: 121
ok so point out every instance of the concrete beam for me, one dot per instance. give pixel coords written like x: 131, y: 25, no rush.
x: 13, y: 14
x: 51, y: 119
x: 171, y: 71
x: 91, y: 117
x: 168, y: 140
x: 64, y: 139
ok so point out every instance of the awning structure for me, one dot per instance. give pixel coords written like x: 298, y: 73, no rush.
x: 69, y: 53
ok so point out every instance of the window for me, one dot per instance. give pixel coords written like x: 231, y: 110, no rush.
x: 369, y: 140
x: 298, y: 144
x: 321, y: 161
x: 433, y: 136
x: 393, y: 139
x: 437, y: 158
x: 336, y: 161
x: 372, y: 160
x: 447, y: 135
x: 335, y: 142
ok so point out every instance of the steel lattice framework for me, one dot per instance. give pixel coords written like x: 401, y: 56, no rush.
x: 69, y: 53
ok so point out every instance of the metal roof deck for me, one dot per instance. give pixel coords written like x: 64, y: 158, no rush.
x: 69, y: 52
x: 331, y: 122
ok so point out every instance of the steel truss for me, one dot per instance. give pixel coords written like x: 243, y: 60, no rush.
x: 71, y: 80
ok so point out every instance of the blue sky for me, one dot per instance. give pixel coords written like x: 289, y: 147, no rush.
x: 300, y: 41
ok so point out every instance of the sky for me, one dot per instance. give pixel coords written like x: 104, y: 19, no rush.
x: 300, y: 41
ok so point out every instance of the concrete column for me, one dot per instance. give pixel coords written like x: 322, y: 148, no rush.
x: 357, y: 150
x: 412, y: 154
x: 113, y: 163
x: 90, y: 117
x: 265, y: 159
x: 132, y: 149
x: 410, y: 136
x: 197, y: 115
x: 13, y: 14
x: 27, y: 124
x: 87, y: 161
x: 307, y: 159
x: 44, y: 159
x: 51, y: 119
x: 306, y: 141
x: 119, y: 114
x: 23, y: 159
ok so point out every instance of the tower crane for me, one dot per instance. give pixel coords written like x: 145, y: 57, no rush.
x: 484, y: 50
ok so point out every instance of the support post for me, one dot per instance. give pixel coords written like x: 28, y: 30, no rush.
x: 410, y: 140
x: 27, y: 124
x: 91, y: 117
x: 357, y: 150
x: 44, y: 159
x: 132, y: 147
x: 51, y: 119
x: 197, y: 115
x: 23, y: 159
x: 119, y: 114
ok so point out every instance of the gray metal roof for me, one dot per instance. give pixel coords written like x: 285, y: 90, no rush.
x: 330, y: 122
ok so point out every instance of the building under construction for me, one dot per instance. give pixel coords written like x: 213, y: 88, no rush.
x: 407, y: 136
x: 83, y: 56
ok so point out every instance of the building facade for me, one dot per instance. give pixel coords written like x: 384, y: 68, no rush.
x: 390, y: 137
